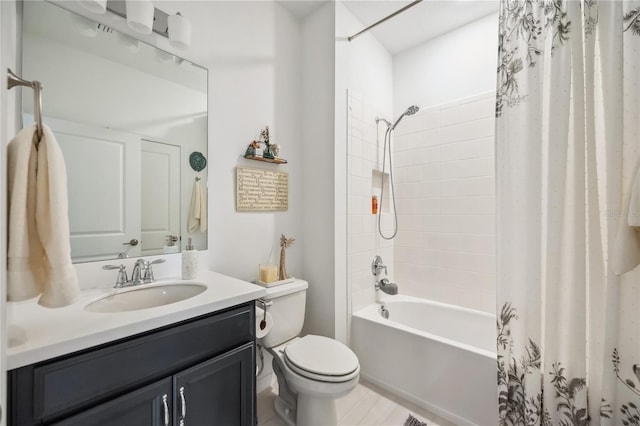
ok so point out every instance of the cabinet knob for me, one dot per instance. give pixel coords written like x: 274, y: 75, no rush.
x: 166, y: 409
x: 133, y: 242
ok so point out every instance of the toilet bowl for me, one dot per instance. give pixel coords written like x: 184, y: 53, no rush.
x: 318, y: 370
x: 312, y: 371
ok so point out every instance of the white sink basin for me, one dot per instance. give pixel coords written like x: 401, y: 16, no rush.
x: 147, y: 297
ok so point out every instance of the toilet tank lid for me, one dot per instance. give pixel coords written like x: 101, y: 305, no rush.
x: 284, y: 289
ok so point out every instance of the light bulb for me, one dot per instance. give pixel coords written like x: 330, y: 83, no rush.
x: 179, y: 31
x: 94, y: 6
x: 140, y: 15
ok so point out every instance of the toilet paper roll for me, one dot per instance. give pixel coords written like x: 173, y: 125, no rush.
x: 263, y: 325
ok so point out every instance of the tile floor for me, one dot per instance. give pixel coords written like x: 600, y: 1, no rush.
x: 366, y: 405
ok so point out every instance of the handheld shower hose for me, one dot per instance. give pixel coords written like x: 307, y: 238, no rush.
x: 387, y: 142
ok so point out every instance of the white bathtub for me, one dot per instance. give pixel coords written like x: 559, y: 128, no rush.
x: 438, y: 356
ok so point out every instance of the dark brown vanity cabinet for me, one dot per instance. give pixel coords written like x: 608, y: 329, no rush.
x: 198, y: 372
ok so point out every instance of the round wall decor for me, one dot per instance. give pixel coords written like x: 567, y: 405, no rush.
x: 197, y: 161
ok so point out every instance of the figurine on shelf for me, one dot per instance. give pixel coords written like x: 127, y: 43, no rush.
x: 263, y: 148
x: 251, y: 149
x: 284, y: 244
x: 267, y: 153
x: 265, y: 138
x: 275, y: 150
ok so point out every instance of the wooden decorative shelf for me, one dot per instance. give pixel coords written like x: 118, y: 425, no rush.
x: 268, y: 160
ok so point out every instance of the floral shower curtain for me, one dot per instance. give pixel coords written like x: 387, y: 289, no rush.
x: 568, y: 146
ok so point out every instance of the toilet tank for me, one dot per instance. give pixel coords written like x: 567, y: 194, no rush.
x: 287, y: 310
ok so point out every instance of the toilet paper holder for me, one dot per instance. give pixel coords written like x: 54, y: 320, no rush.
x: 265, y: 305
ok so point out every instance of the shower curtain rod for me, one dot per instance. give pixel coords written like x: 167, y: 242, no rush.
x: 385, y: 19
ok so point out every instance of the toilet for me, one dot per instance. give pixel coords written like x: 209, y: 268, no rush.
x: 312, y: 371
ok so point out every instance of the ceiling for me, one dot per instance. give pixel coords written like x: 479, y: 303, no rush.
x: 302, y: 8
x: 424, y: 21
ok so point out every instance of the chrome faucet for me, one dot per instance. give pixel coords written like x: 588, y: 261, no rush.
x: 136, y: 276
x: 142, y: 273
x: 387, y: 287
x: 384, y: 312
x: 121, y: 280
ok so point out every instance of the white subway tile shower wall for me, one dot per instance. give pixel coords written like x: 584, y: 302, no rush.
x: 363, y: 243
x: 445, y: 189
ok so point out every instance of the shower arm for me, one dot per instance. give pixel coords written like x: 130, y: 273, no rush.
x: 385, y: 121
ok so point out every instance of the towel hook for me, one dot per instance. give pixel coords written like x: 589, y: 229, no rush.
x: 13, y: 81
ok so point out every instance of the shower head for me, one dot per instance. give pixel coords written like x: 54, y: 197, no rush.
x: 410, y: 111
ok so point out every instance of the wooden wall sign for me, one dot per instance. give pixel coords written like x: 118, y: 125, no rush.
x: 260, y: 190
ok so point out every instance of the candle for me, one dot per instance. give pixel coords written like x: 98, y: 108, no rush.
x: 268, y: 273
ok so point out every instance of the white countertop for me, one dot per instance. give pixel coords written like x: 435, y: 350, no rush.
x: 37, y: 333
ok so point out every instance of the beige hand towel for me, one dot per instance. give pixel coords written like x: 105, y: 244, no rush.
x: 25, y: 273
x: 625, y: 254
x: 39, y: 247
x: 198, y: 209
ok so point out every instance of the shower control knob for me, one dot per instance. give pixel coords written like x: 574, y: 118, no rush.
x: 378, y: 265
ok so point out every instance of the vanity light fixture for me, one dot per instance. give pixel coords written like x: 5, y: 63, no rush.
x: 140, y: 15
x: 179, y: 31
x: 85, y: 27
x: 130, y: 43
x: 143, y: 18
x: 94, y: 6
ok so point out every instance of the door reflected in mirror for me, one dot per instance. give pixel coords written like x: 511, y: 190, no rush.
x: 127, y: 117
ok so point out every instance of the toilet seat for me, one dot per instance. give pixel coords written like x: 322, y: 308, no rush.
x: 321, y: 358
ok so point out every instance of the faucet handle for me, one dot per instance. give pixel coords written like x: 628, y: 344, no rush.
x: 147, y: 271
x: 109, y: 267
x: 122, y: 278
x: 377, y: 265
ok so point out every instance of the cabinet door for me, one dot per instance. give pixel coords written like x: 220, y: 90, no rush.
x: 150, y: 405
x: 217, y: 392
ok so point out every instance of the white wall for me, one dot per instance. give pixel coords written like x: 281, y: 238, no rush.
x: 445, y: 188
x: 363, y: 65
x: 254, y: 80
x: 444, y: 164
x: 365, y: 69
x: 456, y: 65
x: 318, y: 175
x: 364, y: 171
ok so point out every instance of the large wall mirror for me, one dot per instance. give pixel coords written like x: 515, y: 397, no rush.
x: 128, y: 117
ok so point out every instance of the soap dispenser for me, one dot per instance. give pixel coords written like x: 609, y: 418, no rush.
x: 189, y: 262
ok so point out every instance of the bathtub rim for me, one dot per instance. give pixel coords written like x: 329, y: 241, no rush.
x: 370, y: 313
